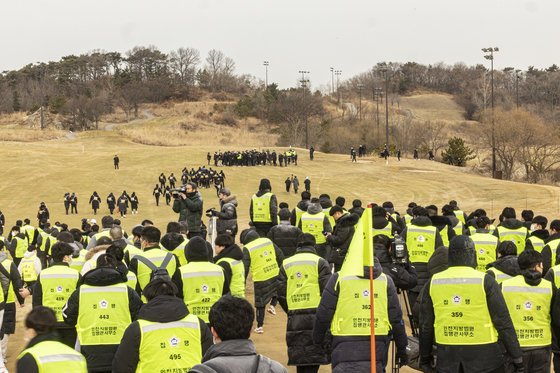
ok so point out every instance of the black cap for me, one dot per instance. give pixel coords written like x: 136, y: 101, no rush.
x: 307, y: 239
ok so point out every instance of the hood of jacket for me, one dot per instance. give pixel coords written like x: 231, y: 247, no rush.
x: 196, y: 250
x: 314, y: 208
x: 163, y: 308
x: 512, y: 224
x: 262, y: 192
x: 102, y: 277
x: 347, y: 220
x: 379, y: 222
x: 325, y: 202
x: 541, y: 233
x: 531, y: 277
x: 306, y: 249
x: 507, y: 264
x: 95, y: 250
x: 248, y: 235
x: 121, y: 243
x: 230, y: 199
x: 233, y: 251
x: 452, y: 219
x: 302, y: 205
x: 439, y: 221
x: 377, y: 269
x: 438, y: 261
x: 171, y: 240
x: 27, y: 255
x: 421, y: 221
x: 232, y: 347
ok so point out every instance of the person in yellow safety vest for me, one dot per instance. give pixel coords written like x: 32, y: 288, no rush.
x: 345, y: 309
x: 511, y: 229
x: 422, y: 238
x: 54, y: 286
x: 464, y: 311
x: 18, y: 245
x: 458, y: 212
x: 356, y: 208
x: 532, y: 302
x: 326, y: 205
x: 550, y: 249
x: 263, y: 209
x: 30, y: 267
x: 116, y: 234
x: 6, y: 290
x: 174, y: 242
x: 165, y: 328
x: 107, y: 224
x: 383, y: 223
x: 301, y: 281
x: 408, y: 216
x: 230, y: 257
x: 486, y: 244
x: 264, y: 259
x: 150, y: 250
x: 538, y: 234
x: 44, y: 241
x: 341, y: 236
x: 201, y: 282
x: 101, y: 308
x: 314, y: 221
x: 300, y: 208
x: 29, y: 231
x: 505, y: 267
x: 390, y: 208
x: 457, y: 224
x: 44, y: 353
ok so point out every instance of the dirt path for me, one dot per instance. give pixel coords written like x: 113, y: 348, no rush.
x: 145, y: 113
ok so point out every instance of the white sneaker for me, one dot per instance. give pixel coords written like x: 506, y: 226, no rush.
x: 259, y: 330
x: 271, y: 310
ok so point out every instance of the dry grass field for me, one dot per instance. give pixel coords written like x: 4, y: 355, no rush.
x: 45, y: 170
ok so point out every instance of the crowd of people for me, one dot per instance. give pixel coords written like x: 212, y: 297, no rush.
x: 483, y: 291
x: 255, y: 158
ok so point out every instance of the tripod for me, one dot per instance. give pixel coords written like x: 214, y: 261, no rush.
x: 403, y: 294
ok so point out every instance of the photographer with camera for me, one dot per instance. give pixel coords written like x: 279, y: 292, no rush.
x: 43, y: 212
x: 227, y: 217
x: 188, y: 204
x: 393, y: 257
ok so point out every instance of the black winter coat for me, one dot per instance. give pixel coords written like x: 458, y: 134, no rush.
x: 233, y: 252
x: 27, y: 362
x: 162, y: 309
x: 403, y: 275
x: 227, y: 217
x: 99, y: 357
x: 302, y: 205
x: 301, y: 349
x: 190, y: 211
x: 342, y: 236
x: 547, y: 252
x: 352, y: 354
x: 507, y: 264
x: 286, y: 237
x: 9, y: 320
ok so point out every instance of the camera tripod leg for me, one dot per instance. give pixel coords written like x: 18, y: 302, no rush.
x: 394, y: 366
x: 408, y: 308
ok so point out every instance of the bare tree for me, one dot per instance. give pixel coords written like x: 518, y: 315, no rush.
x: 183, y: 63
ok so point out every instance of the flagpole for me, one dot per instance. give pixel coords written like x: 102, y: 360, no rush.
x: 372, y: 312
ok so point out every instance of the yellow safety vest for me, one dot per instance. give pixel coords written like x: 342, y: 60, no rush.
x: 203, y: 285
x: 538, y: 244
x: 156, y: 256
x: 177, y: 345
x: 459, y: 228
x: 386, y: 231
x: 21, y: 247
x: 313, y: 224
x: 529, y: 307
x: 179, y: 252
x: 85, y: 240
x: 261, y: 208
x: 132, y: 250
x: 237, y: 285
x: 11, y: 297
x: 28, y: 269
x: 103, y: 233
x: 302, y: 271
x: 78, y: 263
x: 327, y: 213
x: 517, y: 236
x: 460, y: 215
x: 556, y: 272
x: 553, y: 249
x: 56, y: 357
x: 407, y: 219
x: 263, y: 259
x: 29, y: 232
x: 45, y: 237
x: 499, y: 276
x: 58, y: 283
x: 421, y: 242
x: 104, y: 314
x: 353, y: 316
x: 460, y: 308
x: 131, y: 280
x: 485, y: 245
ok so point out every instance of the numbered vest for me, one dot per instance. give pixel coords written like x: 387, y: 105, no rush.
x: 485, y: 245
x: 156, y: 256
x: 352, y: 316
x: 421, y: 242
x: 538, y: 244
x: 28, y: 273
x: 29, y: 232
x: 499, y: 276
x: 460, y: 308
x: 517, y: 236
x: 529, y: 307
x: 261, y: 208
x: 203, y: 285
x: 237, y: 285
x: 104, y: 314
x: 263, y: 259
x: 56, y: 357
x: 21, y: 247
x: 302, y: 271
x: 313, y: 224
x: 386, y: 231
x: 58, y: 283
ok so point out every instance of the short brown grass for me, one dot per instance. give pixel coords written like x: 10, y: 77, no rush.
x: 29, y: 135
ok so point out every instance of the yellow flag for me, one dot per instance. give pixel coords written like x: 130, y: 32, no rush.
x: 360, y: 251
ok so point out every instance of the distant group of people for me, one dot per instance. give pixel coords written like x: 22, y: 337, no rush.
x: 293, y: 182
x: 71, y: 203
x: 122, y: 204
x: 255, y: 158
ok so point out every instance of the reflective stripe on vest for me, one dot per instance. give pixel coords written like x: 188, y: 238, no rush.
x: 28, y: 269
x: 58, y: 283
x: 553, y: 249
x: 460, y: 308
x: 485, y: 245
x: 407, y: 219
x: 29, y: 232
x: 529, y: 307
x: 156, y: 256
x: 263, y: 259
x: 203, y: 285
x: 21, y: 247
x: 237, y: 285
x: 261, y: 208
x: 352, y: 316
x: 131, y: 280
x: 327, y: 213
x: 103, y: 315
x: 299, y: 213
x: 460, y: 215
x: 177, y: 344
x: 78, y: 263
x: 421, y: 242
x: 302, y: 272
x: 517, y: 236
x: 386, y: 231
x: 56, y: 357
x: 538, y: 244
x: 499, y: 276
x: 313, y: 224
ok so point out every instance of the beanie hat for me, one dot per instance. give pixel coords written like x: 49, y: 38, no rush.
x: 265, y: 185
x: 307, y: 239
x: 196, y: 250
x: 462, y: 252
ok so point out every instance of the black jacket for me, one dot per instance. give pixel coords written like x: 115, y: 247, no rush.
x: 473, y: 358
x: 162, y: 309
x: 380, y: 222
x: 507, y: 264
x: 352, y: 353
x: 547, y: 252
x: 27, y: 362
x: 227, y: 217
x: 286, y: 237
x: 342, y: 236
x: 9, y: 321
x: 99, y: 357
x: 301, y: 349
x: 403, y: 275
x: 356, y: 210
x: 190, y: 211
x: 302, y: 205
x: 233, y: 252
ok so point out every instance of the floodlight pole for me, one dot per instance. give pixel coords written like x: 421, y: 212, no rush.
x: 491, y: 58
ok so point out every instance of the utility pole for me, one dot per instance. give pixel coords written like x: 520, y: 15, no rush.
x: 378, y: 92
x: 360, y: 86
x: 491, y: 58
x: 266, y: 74
x: 386, y: 72
x: 303, y: 88
x: 517, y: 87
x: 332, y: 81
x: 41, y: 78
x: 337, y: 73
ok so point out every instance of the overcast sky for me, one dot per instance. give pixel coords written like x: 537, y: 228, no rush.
x: 312, y: 35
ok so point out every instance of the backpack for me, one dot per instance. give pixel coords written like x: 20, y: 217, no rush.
x: 157, y: 272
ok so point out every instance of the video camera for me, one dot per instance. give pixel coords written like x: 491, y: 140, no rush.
x: 176, y: 191
x: 399, y: 252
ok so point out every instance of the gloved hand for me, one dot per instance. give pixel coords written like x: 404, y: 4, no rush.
x: 214, y: 213
x: 519, y: 368
x: 402, y: 357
